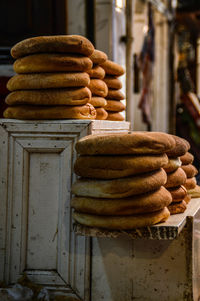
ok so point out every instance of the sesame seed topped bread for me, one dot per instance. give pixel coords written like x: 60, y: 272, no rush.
x: 112, y: 68
x: 51, y: 97
x: 48, y: 80
x: 178, y: 192
x: 138, y: 204
x: 121, y: 187
x: 50, y: 112
x: 125, y: 143
x: 53, y: 44
x: 182, y: 146
x: 122, y: 222
x: 190, y: 183
x: 52, y: 62
x: 110, y: 167
x: 98, y: 57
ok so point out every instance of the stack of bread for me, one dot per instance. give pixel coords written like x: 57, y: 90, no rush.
x: 190, y: 171
x: 114, y: 105
x: 121, y: 180
x: 97, y: 86
x: 176, y: 177
x: 52, y: 80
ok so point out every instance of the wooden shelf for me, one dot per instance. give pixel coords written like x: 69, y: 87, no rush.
x: 168, y: 230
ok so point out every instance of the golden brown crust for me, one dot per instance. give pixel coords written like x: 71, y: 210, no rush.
x: 125, y: 143
x: 172, y: 164
x: 115, y: 106
x: 113, y: 82
x: 50, y: 97
x: 195, y: 192
x: 101, y: 114
x: 50, y: 112
x: 52, y: 62
x: 112, y: 68
x: 187, y: 198
x: 98, y: 101
x: 120, y: 188
x: 190, y: 170
x: 182, y: 146
x: 111, y: 167
x: 53, y: 44
x: 48, y: 80
x: 115, y: 95
x: 176, y: 178
x: 148, y: 202
x: 188, y: 158
x: 98, y: 87
x: 190, y: 183
x: 98, y: 57
x: 113, y: 116
x: 176, y: 208
x: 122, y: 222
x: 178, y: 192
x: 96, y: 72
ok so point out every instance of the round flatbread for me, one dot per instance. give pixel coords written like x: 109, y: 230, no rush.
x: 112, y: 82
x: 190, y: 170
x: 137, y: 143
x: 96, y: 72
x: 98, y: 101
x: 52, y: 62
x: 177, y: 208
x: 188, y: 158
x: 122, y: 222
x: 101, y: 114
x: 176, y: 178
x: 182, y: 146
x: 144, y: 203
x: 120, y: 188
x: 115, y: 106
x: 113, y: 116
x: 115, y: 95
x: 112, y: 68
x: 178, y: 192
x: 98, y: 87
x: 48, y: 80
x: 190, y: 183
x: 172, y: 165
x: 98, y: 57
x: 113, y: 167
x: 50, y: 112
x: 50, y: 97
x: 195, y: 192
x: 53, y: 44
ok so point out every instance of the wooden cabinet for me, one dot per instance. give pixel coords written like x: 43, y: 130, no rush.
x: 36, y: 173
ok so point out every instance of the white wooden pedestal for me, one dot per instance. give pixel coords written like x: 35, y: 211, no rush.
x: 36, y: 235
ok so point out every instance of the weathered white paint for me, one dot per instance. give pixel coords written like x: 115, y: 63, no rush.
x: 36, y: 235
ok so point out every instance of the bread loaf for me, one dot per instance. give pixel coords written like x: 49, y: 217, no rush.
x: 176, y: 178
x: 112, y: 68
x: 120, y: 188
x: 122, y: 222
x: 50, y: 112
x: 53, y: 44
x: 125, y: 143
